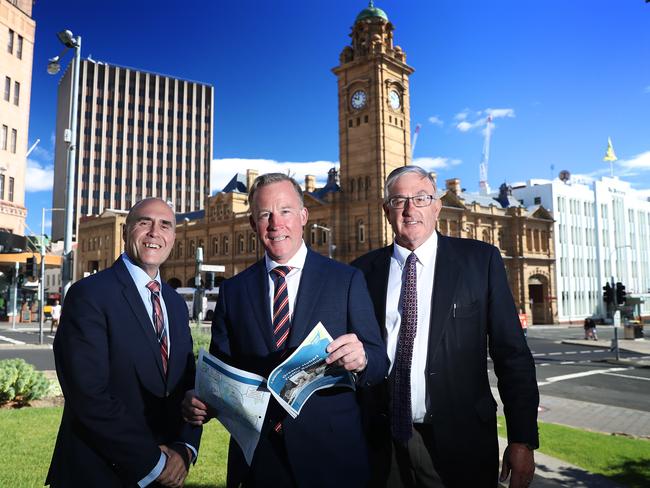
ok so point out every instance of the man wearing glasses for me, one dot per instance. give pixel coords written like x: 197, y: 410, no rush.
x: 441, y: 303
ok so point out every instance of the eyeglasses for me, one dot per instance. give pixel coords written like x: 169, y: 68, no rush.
x: 417, y: 200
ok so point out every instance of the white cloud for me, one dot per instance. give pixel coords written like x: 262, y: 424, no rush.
x: 464, y: 126
x: 435, y: 120
x: 498, y: 113
x: 38, y: 177
x: 436, y: 163
x: 224, y: 169
x: 469, y: 120
x: 41, y: 153
x: 640, y: 161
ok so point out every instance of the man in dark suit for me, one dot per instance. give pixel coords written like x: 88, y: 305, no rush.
x: 124, y: 359
x: 441, y: 303
x: 266, y: 311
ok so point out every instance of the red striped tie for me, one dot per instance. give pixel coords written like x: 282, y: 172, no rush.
x: 281, y: 319
x: 159, y: 321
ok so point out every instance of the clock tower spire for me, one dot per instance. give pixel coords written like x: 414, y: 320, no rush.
x: 374, y: 127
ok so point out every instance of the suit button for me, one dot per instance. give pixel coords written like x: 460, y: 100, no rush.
x: 431, y: 374
x: 166, y: 393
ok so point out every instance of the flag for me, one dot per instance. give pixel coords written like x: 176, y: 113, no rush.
x: 610, y: 155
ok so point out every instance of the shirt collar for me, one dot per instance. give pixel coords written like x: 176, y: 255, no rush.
x: 296, y: 262
x: 425, y: 253
x: 139, y: 275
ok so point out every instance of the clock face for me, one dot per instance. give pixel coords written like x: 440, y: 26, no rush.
x: 358, y: 100
x: 394, y: 100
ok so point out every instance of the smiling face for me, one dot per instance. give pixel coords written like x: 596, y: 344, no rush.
x: 412, y: 225
x: 149, y: 234
x: 278, y: 218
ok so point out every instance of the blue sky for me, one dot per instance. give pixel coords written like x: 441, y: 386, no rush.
x: 559, y: 76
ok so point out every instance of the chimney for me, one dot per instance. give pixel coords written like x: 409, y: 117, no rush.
x: 310, y: 183
x: 453, y: 185
x: 251, y: 174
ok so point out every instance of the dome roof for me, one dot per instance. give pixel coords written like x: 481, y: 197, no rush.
x: 371, y: 12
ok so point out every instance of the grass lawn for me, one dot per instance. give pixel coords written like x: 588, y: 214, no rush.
x: 28, y: 436
x: 621, y: 459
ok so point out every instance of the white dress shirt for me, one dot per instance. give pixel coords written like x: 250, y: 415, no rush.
x: 297, y: 263
x: 425, y: 267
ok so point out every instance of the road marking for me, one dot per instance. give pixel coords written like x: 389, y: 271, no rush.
x: 568, y: 362
x: 628, y: 376
x: 12, y: 341
x: 585, y: 352
x: 555, y: 353
x: 554, y: 379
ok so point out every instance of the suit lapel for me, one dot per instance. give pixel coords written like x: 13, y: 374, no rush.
x: 309, y: 290
x: 175, y: 322
x: 257, y: 286
x: 377, y: 281
x: 132, y: 297
x: 446, y: 277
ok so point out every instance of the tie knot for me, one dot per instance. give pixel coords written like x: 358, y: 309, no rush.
x: 282, y: 271
x: 153, y: 286
x: 412, y: 259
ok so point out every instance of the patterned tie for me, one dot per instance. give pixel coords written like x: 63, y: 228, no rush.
x: 281, y: 322
x: 402, y: 418
x: 159, y: 321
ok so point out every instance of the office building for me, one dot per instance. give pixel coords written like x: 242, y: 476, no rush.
x: 602, y: 233
x: 17, y: 30
x: 140, y: 134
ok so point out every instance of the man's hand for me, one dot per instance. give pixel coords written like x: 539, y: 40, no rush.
x: 347, y: 351
x: 519, y: 462
x: 175, y: 470
x: 195, y: 412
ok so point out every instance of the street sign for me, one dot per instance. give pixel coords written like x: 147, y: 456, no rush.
x: 617, y: 318
x: 212, y: 267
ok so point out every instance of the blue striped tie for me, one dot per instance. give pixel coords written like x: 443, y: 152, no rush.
x: 281, y: 315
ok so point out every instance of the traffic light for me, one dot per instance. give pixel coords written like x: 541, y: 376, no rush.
x: 31, y: 267
x: 621, y: 296
x: 209, y: 280
x: 20, y: 281
x: 608, y: 295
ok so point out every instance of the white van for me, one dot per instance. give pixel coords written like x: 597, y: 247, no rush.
x: 209, y: 301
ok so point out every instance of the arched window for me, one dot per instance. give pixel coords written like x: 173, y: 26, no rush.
x: 191, y: 249
x: 215, y: 246
x: 179, y: 250
x: 226, y: 250
x: 252, y: 242
x: 240, y: 244
x: 361, y: 231
x: 486, y: 236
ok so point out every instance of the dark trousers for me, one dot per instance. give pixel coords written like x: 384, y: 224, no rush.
x: 411, y: 465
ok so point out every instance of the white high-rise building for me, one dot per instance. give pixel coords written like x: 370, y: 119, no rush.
x: 601, y: 232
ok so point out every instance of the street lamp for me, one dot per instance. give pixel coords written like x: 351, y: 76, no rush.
x: 330, y: 244
x: 41, y: 288
x: 70, y: 136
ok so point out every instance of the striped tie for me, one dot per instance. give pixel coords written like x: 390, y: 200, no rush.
x: 281, y: 322
x: 159, y: 321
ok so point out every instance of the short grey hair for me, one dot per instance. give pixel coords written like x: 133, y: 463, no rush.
x: 270, y: 178
x: 401, y: 171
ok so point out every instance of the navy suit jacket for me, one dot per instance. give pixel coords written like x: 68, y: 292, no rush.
x: 119, y: 406
x: 472, y: 311
x: 325, y: 443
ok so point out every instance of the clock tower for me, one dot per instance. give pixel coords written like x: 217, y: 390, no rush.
x: 374, y: 129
